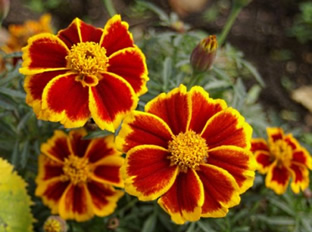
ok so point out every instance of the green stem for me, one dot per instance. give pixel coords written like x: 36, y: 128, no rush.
x: 229, y: 23
x: 110, y: 7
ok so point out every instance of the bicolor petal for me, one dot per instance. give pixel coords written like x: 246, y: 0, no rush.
x: 300, y: 177
x: 221, y: 190
x: 274, y: 134
x: 48, y: 168
x: 52, y: 59
x: 264, y: 161
x: 174, y: 108
x: 237, y: 161
x: 203, y: 108
x: 78, y: 145
x: 147, y: 172
x: 116, y: 35
x: 110, y: 101
x: 57, y: 100
x: 104, y: 198
x: 184, y: 199
x: 259, y: 144
x: 277, y: 178
x: 130, y: 64
x: 140, y: 128
x: 227, y: 127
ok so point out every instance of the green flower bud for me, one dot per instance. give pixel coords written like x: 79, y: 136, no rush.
x: 204, y: 54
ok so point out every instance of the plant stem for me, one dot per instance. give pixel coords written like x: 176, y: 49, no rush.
x: 110, y: 7
x: 229, y: 23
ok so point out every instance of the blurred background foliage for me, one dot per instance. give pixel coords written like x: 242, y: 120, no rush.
x: 266, y: 56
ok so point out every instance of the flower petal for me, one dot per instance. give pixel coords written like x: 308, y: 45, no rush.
x: 227, y: 127
x: 220, y: 188
x: 237, y: 161
x: 301, y: 156
x: 203, y: 108
x: 104, y: 198
x: 56, y: 148
x: 116, y: 35
x: 184, y: 199
x: 51, y: 192
x: 147, y: 172
x: 65, y: 100
x: 300, y: 177
x: 274, y: 134
x: 76, y: 203
x: 101, y: 148
x: 174, y: 108
x: 264, y: 161
x: 34, y: 86
x: 52, y: 59
x: 277, y: 178
x: 48, y: 168
x: 78, y: 145
x: 259, y: 144
x: 140, y: 128
x: 110, y: 101
x: 130, y: 64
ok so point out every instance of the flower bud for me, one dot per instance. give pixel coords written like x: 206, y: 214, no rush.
x: 55, y: 224
x: 4, y: 9
x: 204, y: 54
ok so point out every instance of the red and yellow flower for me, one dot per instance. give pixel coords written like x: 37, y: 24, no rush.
x: 76, y: 176
x: 190, y: 151
x: 84, y: 72
x: 282, y: 158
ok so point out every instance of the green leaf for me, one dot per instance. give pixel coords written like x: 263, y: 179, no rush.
x: 283, y: 206
x: 167, y: 71
x: 150, y: 223
x: 254, y: 72
x: 12, y: 93
x: 15, y: 214
x: 205, y: 226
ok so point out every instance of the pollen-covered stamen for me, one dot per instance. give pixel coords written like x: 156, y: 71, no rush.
x: 282, y: 152
x: 87, y: 58
x: 187, y: 150
x: 76, y: 169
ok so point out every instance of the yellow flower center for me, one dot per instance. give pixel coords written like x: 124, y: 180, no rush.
x: 188, y: 150
x: 52, y: 225
x: 282, y: 152
x: 76, y: 169
x: 87, y: 58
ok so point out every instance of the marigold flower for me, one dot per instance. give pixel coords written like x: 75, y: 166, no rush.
x: 54, y: 224
x: 19, y: 34
x: 76, y: 176
x: 190, y: 151
x: 84, y: 72
x: 282, y: 158
x: 204, y: 54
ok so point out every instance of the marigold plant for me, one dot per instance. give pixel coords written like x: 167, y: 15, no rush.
x: 84, y: 72
x: 190, y: 151
x: 76, y: 176
x: 282, y: 158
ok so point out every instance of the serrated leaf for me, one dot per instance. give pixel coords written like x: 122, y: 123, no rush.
x: 15, y: 214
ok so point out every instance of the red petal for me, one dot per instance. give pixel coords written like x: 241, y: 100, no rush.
x: 301, y: 157
x: 104, y: 198
x: 78, y: 144
x: 184, y: 199
x: 116, y: 35
x: 147, y: 172
x: 67, y: 101
x: 275, y: 134
x: 108, y: 173
x: 130, y: 65
x: 237, y: 161
x: 110, y: 101
x: 291, y: 141
x: 227, y: 127
x: 277, y: 178
x: 141, y: 128
x: 49, y: 168
x: 55, y: 190
x: 79, y: 31
x: 56, y: 147
x: 37, y: 61
x: 264, y: 161
x: 203, y: 108
x: 173, y: 108
x: 221, y: 191
x: 259, y: 145
x: 300, y: 177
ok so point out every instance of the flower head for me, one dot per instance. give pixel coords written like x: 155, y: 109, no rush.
x: 282, y: 158
x: 188, y: 150
x: 54, y: 224
x: 84, y: 72
x: 204, y: 53
x: 19, y: 34
x: 76, y: 176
